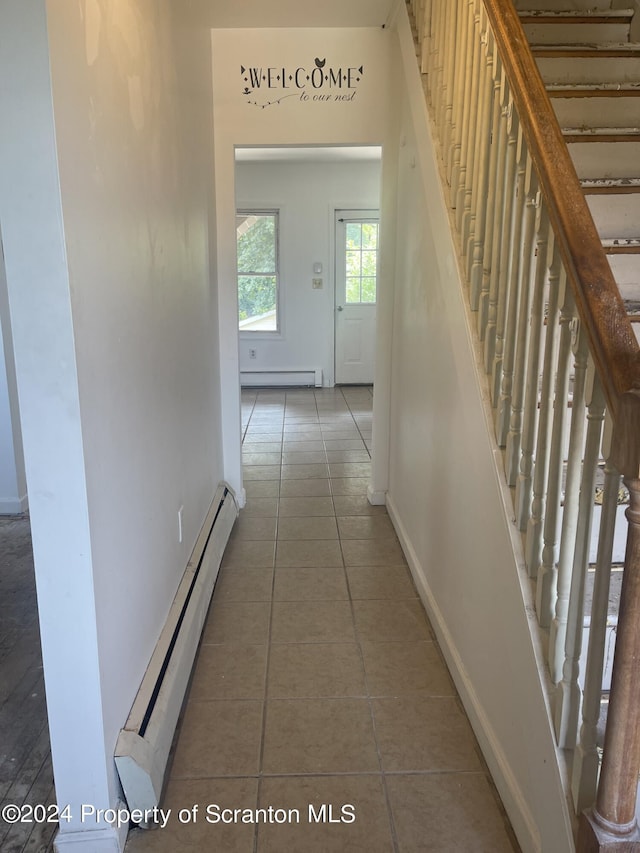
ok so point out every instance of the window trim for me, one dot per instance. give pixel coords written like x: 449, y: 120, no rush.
x: 247, y: 210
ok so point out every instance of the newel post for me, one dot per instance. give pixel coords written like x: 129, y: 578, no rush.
x: 610, y: 825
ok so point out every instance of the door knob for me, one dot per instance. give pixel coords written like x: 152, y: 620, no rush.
x: 339, y: 307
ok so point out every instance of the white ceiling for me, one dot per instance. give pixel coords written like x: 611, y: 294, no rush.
x: 309, y: 154
x: 287, y: 13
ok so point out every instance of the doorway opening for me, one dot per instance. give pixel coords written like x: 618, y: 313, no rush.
x: 287, y: 201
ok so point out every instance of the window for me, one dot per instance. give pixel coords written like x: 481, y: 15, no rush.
x: 361, y: 261
x: 257, y: 237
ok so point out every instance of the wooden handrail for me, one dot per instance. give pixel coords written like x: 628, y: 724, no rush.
x: 612, y: 342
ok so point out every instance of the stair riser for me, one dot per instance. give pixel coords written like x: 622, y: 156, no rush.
x: 626, y: 271
x: 567, y: 33
x: 596, y: 69
x: 606, y: 159
x: 597, y: 112
x: 615, y: 215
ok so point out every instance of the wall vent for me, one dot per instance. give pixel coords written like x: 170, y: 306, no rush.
x: 144, y: 743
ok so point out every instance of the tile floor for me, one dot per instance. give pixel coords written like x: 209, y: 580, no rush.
x: 318, y: 680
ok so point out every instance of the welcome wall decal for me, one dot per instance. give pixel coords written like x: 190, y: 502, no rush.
x: 265, y: 87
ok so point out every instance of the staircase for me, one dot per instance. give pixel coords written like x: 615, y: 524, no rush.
x: 591, y: 69
x: 545, y: 213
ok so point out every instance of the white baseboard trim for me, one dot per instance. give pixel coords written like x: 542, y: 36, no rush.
x: 14, y: 506
x: 515, y: 803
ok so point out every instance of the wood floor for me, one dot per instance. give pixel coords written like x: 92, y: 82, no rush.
x: 26, y: 776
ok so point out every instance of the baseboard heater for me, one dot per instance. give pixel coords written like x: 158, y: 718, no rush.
x: 270, y: 378
x: 144, y: 743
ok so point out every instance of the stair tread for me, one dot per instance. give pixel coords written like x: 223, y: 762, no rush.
x: 601, y: 131
x: 593, y: 90
x: 610, y: 186
x: 582, y: 15
x: 616, y: 49
x: 621, y: 244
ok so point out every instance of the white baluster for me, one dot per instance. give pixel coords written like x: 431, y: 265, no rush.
x: 509, y: 255
x: 475, y: 251
x: 489, y: 301
x: 558, y: 632
x: 586, y: 763
x: 548, y: 572
x: 467, y: 106
x: 497, y: 119
x: 459, y: 100
x: 502, y: 380
x: 450, y: 67
x: 533, y: 545
x: 464, y: 216
x: 544, y: 248
x: 473, y: 227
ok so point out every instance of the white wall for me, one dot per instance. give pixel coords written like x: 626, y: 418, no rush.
x: 283, y: 116
x: 115, y: 328
x: 13, y: 483
x: 307, y: 194
x: 447, y: 502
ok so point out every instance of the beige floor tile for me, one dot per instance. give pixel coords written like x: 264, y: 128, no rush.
x: 310, y: 553
x: 291, y: 445
x: 304, y: 457
x: 343, y: 424
x: 312, y: 622
x: 319, y: 736
x: 447, y: 813
x: 335, y: 434
x: 200, y: 835
x: 237, y: 622
x: 424, y: 734
x: 260, y: 472
x: 368, y: 833
x: 349, y: 485
x: 265, y: 424
x: 310, y: 584
x: 306, y: 670
x: 366, y: 527
x: 389, y: 620
x: 261, y: 458
x: 348, y: 456
x: 308, y: 527
x: 304, y: 472
x: 262, y: 488
x: 372, y: 552
x: 243, y: 585
x: 305, y: 506
x: 309, y: 431
x: 220, y: 738
x: 261, y: 446
x: 356, y: 505
x: 406, y: 669
x: 260, y: 508
x: 344, y: 444
x: 304, y: 488
x: 252, y: 437
x: 229, y: 671
x: 252, y: 528
x: 243, y: 554
x: 380, y: 582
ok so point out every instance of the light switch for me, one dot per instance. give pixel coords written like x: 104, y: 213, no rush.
x: 317, y: 283
x: 317, y: 268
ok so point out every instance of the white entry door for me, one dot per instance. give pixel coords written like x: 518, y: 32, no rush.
x: 356, y: 295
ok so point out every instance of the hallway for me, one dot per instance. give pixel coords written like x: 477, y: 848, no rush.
x: 318, y: 680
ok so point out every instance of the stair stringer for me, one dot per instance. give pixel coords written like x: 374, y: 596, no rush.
x: 449, y: 503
